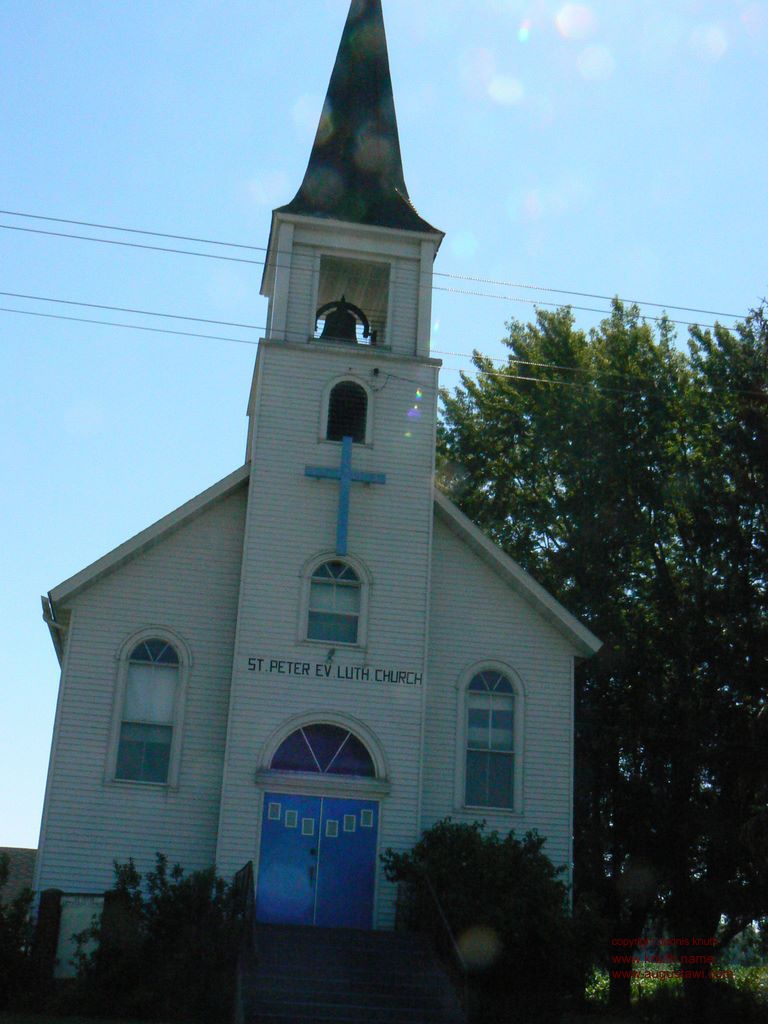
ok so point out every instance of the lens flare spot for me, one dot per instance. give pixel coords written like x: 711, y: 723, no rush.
x: 524, y: 32
x: 414, y: 413
x: 464, y: 245
x: 373, y: 152
x: 755, y: 17
x: 304, y: 114
x: 269, y: 188
x: 596, y: 63
x: 407, y: 434
x: 325, y: 128
x: 480, y: 947
x: 575, y: 21
x: 505, y: 90
x: 709, y: 42
x: 436, y: 327
x: 419, y: 394
x: 325, y: 186
x: 477, y: 67
x: 533, y: 205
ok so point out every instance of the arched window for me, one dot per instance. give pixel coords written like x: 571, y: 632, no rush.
x: 323, y: 748
x: 347, y: 412
x: 334, y: 603
x: 490, y: 741
x: 149, y: 707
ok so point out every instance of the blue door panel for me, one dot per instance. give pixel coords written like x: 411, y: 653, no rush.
x: 347, y: 867
x: 285, y: 893
x: 318, y: 861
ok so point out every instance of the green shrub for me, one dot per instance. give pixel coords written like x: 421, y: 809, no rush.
x: 15, y: 940
x: 165, y: 950
x: 508, y: 910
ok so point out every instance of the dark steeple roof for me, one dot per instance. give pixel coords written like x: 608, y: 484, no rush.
x: 355, y: 172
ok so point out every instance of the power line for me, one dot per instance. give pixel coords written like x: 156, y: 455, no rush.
x: 241, y: 341
x: 252, y: 327
x: 437, y: 273
x: 132, y: 327
x: 570, y: 305
x: 584, y: 295
x: 128, y: 309
x: 261, y: 263
x: 251, y: 341
x: 133, y: 231
x: 130, y: 245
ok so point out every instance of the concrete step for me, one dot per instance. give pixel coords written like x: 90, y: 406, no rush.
x: 358, y: 1012
x: 373, y: 986
x: 303, y: 975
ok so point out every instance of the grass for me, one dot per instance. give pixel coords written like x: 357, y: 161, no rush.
x: 45, y: 1018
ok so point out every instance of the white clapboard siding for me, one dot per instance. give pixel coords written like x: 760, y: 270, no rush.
x: 404, y: 310
x: 476, y: 616
x: 188, y: 582
x: 292, y: 519
x: 300, y: 317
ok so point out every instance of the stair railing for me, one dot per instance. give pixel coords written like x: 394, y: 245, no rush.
x: 244, y: 906
x: 444, y: 941
x: 243, y: 912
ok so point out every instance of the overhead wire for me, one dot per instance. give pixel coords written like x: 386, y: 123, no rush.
x: 595, y: 382
x: 261, y: 263
x: 263, y: 249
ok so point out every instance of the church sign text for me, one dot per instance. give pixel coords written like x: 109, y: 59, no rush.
x: 327, y: 670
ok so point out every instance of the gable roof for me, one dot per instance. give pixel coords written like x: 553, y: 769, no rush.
x: 179, y: 517
x: 355, y: 169
x: 585, y: 642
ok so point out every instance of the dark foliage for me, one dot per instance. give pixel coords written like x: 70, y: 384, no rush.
x: 508, y: 912
x: 15, y: 941
x: 631, y: 478
x: 165, y: 950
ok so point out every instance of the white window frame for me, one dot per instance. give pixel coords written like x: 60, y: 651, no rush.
x: 358, y: 257
x: 314, y: 782
x: 122, y: 658
x: 326, y: 399
x: 518, y: 738
x: 306, y: 582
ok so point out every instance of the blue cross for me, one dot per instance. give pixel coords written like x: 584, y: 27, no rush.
x: 346, y: 477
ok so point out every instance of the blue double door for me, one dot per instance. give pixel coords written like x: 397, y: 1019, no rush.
x: 318, y: 861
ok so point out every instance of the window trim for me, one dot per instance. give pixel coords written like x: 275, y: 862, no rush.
x: 328, y: 717
x: 363, y: 575
x: 326, y: 400
x: 354, y: 255
x: 518, y: 750
x: 122, y: 657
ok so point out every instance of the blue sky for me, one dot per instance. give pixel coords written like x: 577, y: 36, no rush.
x: 611, y: 147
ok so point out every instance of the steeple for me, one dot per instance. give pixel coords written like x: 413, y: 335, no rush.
x: 355, y: 171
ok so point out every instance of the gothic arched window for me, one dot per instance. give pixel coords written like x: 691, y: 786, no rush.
x: 347, y: 412
x: 323, y: 748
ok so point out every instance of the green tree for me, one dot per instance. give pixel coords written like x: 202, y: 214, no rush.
x: 15, y: 940
x: 630, y: 478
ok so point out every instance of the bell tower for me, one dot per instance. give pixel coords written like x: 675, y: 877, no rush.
x: 332, y: 622
x: 351, y: 233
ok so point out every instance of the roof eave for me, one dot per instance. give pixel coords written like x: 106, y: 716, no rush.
x: 582, y: 639
x: 151, y: 535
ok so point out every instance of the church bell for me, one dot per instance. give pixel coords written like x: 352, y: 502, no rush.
x: 340, y: 323
x: 341, y: 319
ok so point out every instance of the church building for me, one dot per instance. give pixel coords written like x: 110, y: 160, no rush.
x: 319, y: 656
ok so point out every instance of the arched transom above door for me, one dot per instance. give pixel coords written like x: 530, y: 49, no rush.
x: 325, y: 749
